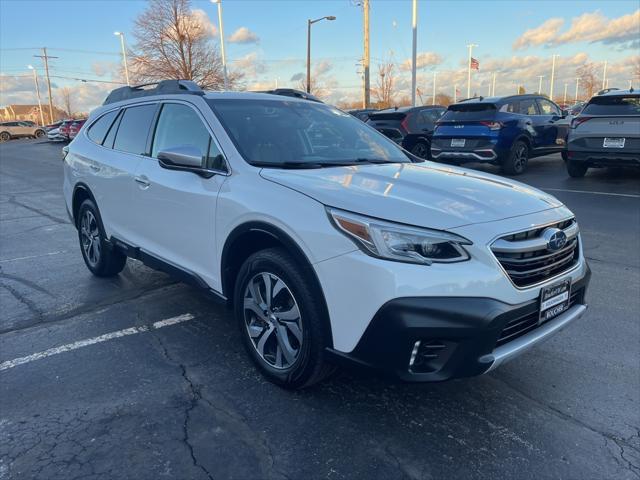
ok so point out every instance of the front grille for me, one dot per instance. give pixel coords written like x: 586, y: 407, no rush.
x: 524, y: 324
x: 527, y: 259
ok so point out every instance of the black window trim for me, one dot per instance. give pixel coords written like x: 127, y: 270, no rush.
x: 93, y: 122
x: 212, y: 137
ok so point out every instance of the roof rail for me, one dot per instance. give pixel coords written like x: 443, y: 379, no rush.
x: 291, y: 92
x: 163, y: 87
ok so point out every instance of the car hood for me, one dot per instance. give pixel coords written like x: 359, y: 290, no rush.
x: 423, y: 194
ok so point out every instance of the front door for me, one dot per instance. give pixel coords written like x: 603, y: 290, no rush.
x: 176, y: 209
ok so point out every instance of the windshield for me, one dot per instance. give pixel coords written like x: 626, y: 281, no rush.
x: 281, y: 133
x: 613, y: 105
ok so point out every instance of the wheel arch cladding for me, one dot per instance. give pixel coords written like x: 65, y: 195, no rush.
x: 81, y: 192
x: 252, y: 237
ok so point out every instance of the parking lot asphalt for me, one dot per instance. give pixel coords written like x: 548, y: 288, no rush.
x: 143, y: 377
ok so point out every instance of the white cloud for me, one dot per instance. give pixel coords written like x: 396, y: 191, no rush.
x: 588, y: 27
x: 250, y: 65
x: 200, y: 19
x: 423, y: 60
x: 243, y: 35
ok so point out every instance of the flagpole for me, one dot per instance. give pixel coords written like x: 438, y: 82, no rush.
x: 455, y: 94
x: 470, y: 47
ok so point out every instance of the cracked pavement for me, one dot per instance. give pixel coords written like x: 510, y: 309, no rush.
x: 185, y: 402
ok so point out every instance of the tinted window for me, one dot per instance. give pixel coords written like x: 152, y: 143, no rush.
x: 527, y: 107
x: 614, y: 105
x: 108, y: 141
x: 98, y: 130
x: 179, y: 125
x: 276, y: 131
x: 134, y: 128
x: 548, y: 108
x: 469, y: 112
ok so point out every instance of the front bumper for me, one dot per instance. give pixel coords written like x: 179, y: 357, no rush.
x: 427, y: 339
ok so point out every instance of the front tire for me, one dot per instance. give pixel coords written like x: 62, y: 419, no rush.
x: 575, y: 169
x: 100, y: 257
x: 281, y: 320
x: 39, y: 134
x: 5, y: 137
x: 517, y: 159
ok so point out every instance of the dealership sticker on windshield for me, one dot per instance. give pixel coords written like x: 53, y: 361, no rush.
x: 457, y: 142
x: 554, y: 300
x: 613, y: 142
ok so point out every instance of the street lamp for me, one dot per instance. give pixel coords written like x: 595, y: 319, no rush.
x: 35, y: 79
x: 309, y: 23
x: 124, y: 55
x: 224, y: 57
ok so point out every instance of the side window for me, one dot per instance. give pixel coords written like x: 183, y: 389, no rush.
x: 98, y: 129
x: 179, y: 125
x: 134, y: 129
x: 528, y: 107
x: 511, y: 107
x: 547, y: 107
x: 111, y: 135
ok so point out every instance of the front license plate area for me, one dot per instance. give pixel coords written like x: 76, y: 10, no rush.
x: 554, y: 300
x: 457, y: 142
x: 613, y: 142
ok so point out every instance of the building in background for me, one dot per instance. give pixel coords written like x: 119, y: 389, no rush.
x: 30, y: 113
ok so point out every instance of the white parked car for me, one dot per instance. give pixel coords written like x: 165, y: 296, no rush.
x: 352, y: 250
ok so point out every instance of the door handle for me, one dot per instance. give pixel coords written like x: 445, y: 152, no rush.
x: 95, y: 168
x: 144, y: 183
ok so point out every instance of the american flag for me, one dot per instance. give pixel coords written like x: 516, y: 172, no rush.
x: 475, y: 64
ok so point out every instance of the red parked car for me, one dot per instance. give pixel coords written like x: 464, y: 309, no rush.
x: 63, y: 130
x: 75, y: 127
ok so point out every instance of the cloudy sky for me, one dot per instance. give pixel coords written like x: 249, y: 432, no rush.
x: 267, y: 40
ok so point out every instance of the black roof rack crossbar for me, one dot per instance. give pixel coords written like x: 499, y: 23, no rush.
x: 163, y: 87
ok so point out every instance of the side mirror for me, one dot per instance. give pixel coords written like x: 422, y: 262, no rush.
x: 186, y: 156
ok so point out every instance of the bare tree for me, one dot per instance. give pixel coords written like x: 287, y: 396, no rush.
x: 588, y: 78
x: 65, y: 93
x: 384, y: 92
x: 444, y: 99
x: 174, y: 43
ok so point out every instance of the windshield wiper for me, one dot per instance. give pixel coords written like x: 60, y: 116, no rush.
x: 292, y: 165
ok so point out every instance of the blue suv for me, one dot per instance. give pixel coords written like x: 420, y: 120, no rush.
x: 505, y: 131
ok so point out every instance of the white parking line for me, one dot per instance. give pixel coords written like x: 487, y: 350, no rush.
x: 630, y: 195
x: 92, y: 341
x: 29, y: 257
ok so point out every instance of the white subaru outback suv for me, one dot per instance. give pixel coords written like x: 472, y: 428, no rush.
x: 330, y: 242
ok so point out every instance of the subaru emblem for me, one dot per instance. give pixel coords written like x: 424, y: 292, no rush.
x: 556, y: 238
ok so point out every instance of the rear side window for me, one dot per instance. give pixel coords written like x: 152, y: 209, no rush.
x: 98, y: 130
x: 134, y: 129
x: 548, y: 108
x: 527, y: 107
x: 613, y: 105
x: 469, y: 112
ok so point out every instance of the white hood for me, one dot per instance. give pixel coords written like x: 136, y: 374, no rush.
x: 423, y: 194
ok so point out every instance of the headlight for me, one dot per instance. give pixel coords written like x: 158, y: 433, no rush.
x: 393, y: 241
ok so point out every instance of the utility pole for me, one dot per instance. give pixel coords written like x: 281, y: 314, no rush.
x: 577, y: 84
x: 46, y: 58
x: 414, y: 25
x: 493, y: 85
x: 434, y: 88
x: 224, y: 57
x: 553, y: 73
x: 564, y: 99
x: 367, y: 57
x: 540, y: 77
x: 604, y: 75
x: 35, y: 79
x: 470, y: 47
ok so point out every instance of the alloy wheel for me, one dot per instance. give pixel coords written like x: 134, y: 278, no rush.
x: 273, y: 320
x: 90, y: 235
x: 520, y: 160
x: 420, y: 150
x: 4, y: 137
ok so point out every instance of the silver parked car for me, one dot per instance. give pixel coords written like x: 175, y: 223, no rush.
x: 9, y: 130
x: 605, y: 133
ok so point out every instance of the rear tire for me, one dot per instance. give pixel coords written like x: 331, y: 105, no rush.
x: 281, y: 320
x: 517, y: 159
x: 576, y: 170
x: 422, y: 150
x: 5, y: 137
x: 99, y: 256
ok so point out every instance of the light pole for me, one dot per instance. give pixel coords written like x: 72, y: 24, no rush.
x: 434, y: 87
x: 493, y: 85
x: 35, y: 79
x: 604, y: 76
x: 553, y: 74
x: 470, y: 47
x: 540, y: 77
x: 124, y: 55
x: 224, y: 57
x: 564, y: 99
x: 577, y: 84
x: 309, y: 23
x: 414, y: 26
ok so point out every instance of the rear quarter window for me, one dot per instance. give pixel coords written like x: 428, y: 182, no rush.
x: 470, y: 111
x: 98, y: 130
x: 613, y: 105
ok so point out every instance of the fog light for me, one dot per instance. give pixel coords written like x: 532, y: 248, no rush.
x: 428, y: 356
